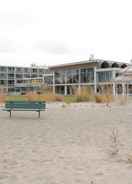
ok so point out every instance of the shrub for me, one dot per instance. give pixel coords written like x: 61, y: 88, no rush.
x: 48, y: 97
x: 31, y: 96
x: 69, y: 99
x: 104, y: 98
x: 86, y: 94
x: 2, y: 98
x: 59, y: 98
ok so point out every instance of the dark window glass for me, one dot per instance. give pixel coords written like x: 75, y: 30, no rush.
x: 72, y: 76
x: 60, y: 77
x: 104, y: 76
x: 87, y: 75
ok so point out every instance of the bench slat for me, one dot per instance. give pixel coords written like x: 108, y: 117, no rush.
x: 25, y: 106
x: 15, y: 109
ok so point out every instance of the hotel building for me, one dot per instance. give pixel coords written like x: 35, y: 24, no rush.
x: 20, y: 79
x: 66, y: 79
x: 96, y: 74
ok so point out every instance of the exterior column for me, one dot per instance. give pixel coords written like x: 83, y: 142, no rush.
x: 95, y: 81
x: 65, y: 87
x: 114, y: 89
x: 65, y: 90
x: 127, y: 89
x: 123, y: 89
x: 79, y: 83
x: 53, y: 82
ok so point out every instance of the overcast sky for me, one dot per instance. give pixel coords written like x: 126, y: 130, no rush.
x: 48, y: 32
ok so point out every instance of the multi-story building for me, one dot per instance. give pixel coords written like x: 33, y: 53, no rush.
x: 18, y: 79
x: 96, y: 74
x: 65, y: 79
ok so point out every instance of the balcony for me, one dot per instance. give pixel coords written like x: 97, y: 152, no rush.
x: 27, y: 85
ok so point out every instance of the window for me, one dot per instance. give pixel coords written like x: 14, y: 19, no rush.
x: 87, y: 75
x: 3, y: 82
x: 60, y: 77
x: 19, y: 70
x: 34, y: 76
x: 34, y: 70
x: 72, y: 76
x: 48, y: 80
x: 3, y: 69
x: 10, y: 76
x: 11, y: 69
x: 19, y: 76
x: 3, y: 76
x: 41, y: 71
x: 104, y: 76
x: 26, y: 70
x: 26, y: 75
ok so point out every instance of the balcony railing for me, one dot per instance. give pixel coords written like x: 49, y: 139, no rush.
x: 27, y: 85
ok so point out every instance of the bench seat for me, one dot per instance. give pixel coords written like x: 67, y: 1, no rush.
x: 25, y: 106
x: 22, y: 109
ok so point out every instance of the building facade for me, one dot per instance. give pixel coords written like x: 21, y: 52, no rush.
x: 19, y: 79
x: 96, y: 74
x: 65, y: 79
x: 123, y: 83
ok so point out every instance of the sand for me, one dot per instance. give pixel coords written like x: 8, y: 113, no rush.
x: 67, y: 145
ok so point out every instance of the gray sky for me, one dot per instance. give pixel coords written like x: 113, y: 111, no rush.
x: 59, y: 31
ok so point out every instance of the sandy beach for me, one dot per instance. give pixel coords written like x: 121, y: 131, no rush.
x: 68, y: 144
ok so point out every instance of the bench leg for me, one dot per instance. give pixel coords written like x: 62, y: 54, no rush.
x: 10, y: 114
x: 39, y: 114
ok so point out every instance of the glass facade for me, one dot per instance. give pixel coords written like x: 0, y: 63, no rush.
x: 48, y: 80
x: 60, y: 77
x: 11, y: 76
x: 104, y: 76
x: 69, y: 77
x: 27, y: 70
x: 27, y: 75
x: 3, y: 69
x: 34, y: 70
x: 3, y: 76
x: 11, y: 69
x: 19, y: 76
x: 19, y: 70
x: 87, y: 75
x: 3, y: 82
x: 72, y: 76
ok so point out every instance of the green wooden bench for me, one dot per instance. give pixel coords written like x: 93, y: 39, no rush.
x: 37, y: 106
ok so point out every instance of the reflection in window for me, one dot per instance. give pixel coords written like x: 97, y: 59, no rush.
x: 34, y: 70
x: 3, y: 82
x: 3, y: 69
x: 19, y: 76
x: 87, y: 75
x: 104, y: 76
x: 48, y: 80
x: 11, y: 69
x: 72, y: 76
x: 60, y: 77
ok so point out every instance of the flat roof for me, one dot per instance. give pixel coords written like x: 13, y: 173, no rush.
x: 27, y: 67
x: 85, y: 62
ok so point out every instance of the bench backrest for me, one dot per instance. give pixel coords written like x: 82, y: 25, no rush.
x: 25, y: 104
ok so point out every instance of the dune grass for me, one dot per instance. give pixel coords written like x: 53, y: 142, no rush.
x: 31, y: 96
x: 85, y: 95
x: 15, y: 98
